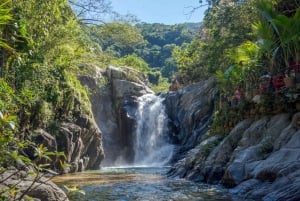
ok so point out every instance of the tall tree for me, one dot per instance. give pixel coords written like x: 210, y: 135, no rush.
x: 119, y: 39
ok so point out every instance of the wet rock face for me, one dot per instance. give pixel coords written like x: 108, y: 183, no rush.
x: 114, y: 103
x: 127, y: 125
x: 103, y: 110
x: 190, y: 110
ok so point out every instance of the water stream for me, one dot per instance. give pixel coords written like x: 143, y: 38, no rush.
x: 138, y: 184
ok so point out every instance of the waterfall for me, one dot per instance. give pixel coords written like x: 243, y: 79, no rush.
x: 151, y: 145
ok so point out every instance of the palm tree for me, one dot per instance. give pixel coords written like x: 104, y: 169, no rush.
x: 279, y: 33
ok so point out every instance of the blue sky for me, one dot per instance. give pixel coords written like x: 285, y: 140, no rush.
x: 160, y: 11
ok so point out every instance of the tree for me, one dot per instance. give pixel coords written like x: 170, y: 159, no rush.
x: 227, y: 24
x: 134, y: 62
x: 244, y: 70
x: 187, y: 59
x: 91, y: 11
x: 161, y: 40
x: 121, y: 38
x: 278, y: 33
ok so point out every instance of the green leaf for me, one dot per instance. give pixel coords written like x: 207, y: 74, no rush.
x: 51, y: 171
x: 14, y: 155
x: 42, y: 166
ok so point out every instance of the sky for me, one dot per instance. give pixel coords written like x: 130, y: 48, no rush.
x: 160, y: 11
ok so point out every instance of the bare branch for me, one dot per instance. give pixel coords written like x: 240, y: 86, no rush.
x: 90, y: 7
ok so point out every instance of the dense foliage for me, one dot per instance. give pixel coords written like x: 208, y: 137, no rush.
x: 153, y: 43
x: 251, y: 46
x: 161, y: 40
x: 39, y: 60
x: 226, y: 26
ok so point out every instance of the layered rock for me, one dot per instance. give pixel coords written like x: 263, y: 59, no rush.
x: 79, y: 139
x: 258, y: 160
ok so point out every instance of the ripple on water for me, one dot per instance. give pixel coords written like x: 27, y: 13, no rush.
x: 138, y: 184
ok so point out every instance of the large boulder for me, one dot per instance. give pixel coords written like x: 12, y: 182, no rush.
x: 128, y: 74
x: 255, y: 145
x: 37, y: 187
x: 215, y: 164
x: 127, y: 82
x: 82, y: 146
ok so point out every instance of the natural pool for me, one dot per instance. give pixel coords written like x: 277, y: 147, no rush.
x: 138, y: 184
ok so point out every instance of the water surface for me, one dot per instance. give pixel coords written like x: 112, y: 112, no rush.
x: 138, y: 184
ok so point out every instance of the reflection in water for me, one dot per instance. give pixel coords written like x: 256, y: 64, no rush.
x: 138, y: 184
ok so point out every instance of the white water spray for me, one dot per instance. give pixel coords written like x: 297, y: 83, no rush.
x: 151, y: 147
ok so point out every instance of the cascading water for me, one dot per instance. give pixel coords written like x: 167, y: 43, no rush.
x: 151, y: 145
x: 143, y: 176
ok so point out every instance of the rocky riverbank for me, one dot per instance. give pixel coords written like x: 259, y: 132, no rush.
x: 257, y: 160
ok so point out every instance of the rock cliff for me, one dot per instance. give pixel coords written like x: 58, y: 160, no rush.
x: 190, y: 110
x: 114, y: 101
x: 80, y: 139
x: 257, y: 160
x: 111, y: 108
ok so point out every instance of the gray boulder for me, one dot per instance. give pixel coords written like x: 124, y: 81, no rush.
x: 36, y: 187
x: 257, y: 160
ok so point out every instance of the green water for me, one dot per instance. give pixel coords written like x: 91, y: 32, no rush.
x: 138, y: 184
